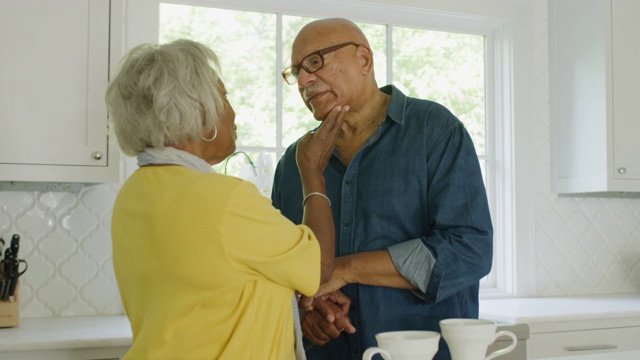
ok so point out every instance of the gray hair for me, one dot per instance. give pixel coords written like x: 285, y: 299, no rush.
x: 164, y: 94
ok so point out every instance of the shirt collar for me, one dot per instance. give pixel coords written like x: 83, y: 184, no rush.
x: 397, y: 104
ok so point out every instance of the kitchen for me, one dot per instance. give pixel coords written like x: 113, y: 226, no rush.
x: 583, y: 249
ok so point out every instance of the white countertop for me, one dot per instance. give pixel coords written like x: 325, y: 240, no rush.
x: 66, y: 333
x: 546, y: 309
x: 105, y: 331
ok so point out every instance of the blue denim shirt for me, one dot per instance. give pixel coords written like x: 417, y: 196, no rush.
x: 415, y: 189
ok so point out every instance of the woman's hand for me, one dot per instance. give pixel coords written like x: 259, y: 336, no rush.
x: 328, y: 318
x: 335, y: 283
x: 315, y: 148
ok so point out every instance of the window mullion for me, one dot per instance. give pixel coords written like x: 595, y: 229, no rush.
x: 279, y: 86
x: 389, y: 52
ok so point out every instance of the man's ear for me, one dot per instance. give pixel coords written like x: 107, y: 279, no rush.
x: 365, y: 56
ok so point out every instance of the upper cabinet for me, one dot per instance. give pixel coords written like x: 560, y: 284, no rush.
x: 594, y: 50
x: 55, y: 58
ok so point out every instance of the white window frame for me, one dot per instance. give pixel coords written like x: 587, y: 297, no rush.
x: 505, y: 27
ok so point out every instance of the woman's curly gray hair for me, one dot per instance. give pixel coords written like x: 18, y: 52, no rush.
x: 164, y: 94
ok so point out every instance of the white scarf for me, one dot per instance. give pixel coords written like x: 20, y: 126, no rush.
x: 171, y: 155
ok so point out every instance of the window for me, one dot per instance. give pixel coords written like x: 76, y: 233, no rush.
x: 454, y: 64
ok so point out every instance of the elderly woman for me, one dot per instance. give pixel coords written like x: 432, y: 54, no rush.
x: 206, y: 267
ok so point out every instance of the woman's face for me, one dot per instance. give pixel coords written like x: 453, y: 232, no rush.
x: 225, y: 142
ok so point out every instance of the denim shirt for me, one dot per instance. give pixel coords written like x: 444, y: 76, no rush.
x: 416, y: 189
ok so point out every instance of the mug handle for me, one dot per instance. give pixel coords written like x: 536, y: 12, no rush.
x: 514, y: 342
x: 368, y: 354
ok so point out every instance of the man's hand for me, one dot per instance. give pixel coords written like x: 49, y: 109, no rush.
x: 328, y: 318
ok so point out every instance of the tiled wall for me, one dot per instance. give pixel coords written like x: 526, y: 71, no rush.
x: 65, y: 238
x: 583, y: 245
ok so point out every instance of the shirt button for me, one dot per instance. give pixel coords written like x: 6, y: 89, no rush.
x: 347, y: 223
x: 349, y: 182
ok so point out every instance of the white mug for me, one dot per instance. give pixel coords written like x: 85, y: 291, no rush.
x: 405, y: 345
x: 468, y: 339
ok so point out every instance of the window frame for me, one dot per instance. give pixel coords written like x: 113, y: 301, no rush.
x: 503, y: 27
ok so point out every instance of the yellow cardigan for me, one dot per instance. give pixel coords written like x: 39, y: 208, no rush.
x: 206, y: 267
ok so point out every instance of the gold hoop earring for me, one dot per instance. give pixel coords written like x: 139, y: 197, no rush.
x: 215, y: 134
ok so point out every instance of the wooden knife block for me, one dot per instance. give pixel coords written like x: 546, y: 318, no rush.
x: 10, y: 310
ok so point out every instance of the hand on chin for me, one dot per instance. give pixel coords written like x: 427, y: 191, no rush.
x: 321, y: 112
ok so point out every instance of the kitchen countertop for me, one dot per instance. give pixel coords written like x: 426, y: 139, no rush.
x: 105, y: 331
x: 67, y: 332
x: 569, y: 308
x: 74, y: 332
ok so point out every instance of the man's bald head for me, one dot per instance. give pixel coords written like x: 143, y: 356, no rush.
x: 325, y: 32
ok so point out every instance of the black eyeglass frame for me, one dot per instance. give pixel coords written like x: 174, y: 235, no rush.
x: 294, y: 70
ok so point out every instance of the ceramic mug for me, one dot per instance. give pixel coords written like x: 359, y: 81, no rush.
x: 468, y: 339
x: 405, y: 345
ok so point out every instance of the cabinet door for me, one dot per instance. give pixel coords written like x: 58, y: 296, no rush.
x: 54, y: 66
x: 625, y: 30
x: 583, y: 342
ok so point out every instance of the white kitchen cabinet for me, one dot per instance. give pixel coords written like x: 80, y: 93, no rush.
x: 580, y: 338
x: 55, y: 58
x: 595, y: 130
x: 572, y: 326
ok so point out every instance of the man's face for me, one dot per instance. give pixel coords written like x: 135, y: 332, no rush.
x: 329, y: 86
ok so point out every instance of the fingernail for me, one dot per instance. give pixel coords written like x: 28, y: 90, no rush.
x: 346, y: 108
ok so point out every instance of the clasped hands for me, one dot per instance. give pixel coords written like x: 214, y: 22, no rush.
x: 327, y: 313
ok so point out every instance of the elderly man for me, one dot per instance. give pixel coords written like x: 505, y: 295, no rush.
x: 413, y: 229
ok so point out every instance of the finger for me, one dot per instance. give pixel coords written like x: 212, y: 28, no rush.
x: 328, y: 123
x: 309, y: 328
x: 311, y: 336
x: 333, y: 122
x: 325, y: 308
x: 337, y: 125
x: 306, y: 138
x: 313, y: 331
x: 305, y: 303
x: 342, y: 321
x: 328, y: 329
x: 349, y: 328
x: 342, y: 300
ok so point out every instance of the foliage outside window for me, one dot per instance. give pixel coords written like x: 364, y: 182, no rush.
x: 445, y: 67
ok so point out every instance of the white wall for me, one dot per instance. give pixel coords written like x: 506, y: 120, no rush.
x: 581, y: 245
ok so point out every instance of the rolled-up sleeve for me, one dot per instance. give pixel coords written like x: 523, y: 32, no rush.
x: 414, y: 262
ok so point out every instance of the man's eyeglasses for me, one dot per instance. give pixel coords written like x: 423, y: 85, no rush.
x: 311, y: 63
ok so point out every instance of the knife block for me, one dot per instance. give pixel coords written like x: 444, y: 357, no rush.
x: 10, y: 310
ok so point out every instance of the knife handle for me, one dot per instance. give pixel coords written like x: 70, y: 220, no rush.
x: 15, y: 245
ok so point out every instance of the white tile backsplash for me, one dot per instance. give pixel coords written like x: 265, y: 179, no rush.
x: 65, y: 237
x: 583, y: 245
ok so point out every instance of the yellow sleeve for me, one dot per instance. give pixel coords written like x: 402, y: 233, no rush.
x: 264, y: 243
